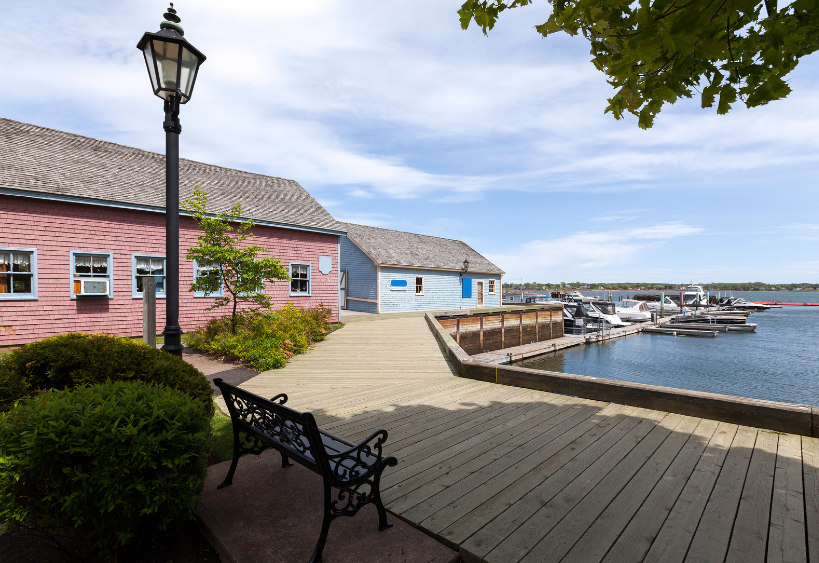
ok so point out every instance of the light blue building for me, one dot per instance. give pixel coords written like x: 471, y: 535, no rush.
x: 385, y: 271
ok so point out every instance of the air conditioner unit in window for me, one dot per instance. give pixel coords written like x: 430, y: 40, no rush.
x: 93, y: 287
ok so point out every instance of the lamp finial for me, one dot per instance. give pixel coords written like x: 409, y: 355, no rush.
x: 171, y: 16
x: 172, y: 21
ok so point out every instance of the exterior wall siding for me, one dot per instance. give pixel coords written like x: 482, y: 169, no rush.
x: 361, y: 277
x: 56, y: 228
x: 442, y: 290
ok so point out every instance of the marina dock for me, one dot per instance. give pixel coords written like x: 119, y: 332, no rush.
x: 507, y: 474
x: 517, y: 353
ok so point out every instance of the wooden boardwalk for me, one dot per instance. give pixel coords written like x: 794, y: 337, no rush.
x: 508, y: 474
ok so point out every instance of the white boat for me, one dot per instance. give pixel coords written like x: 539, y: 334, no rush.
x: 603, y: 310
x: 694, y: 295
x: 579, y: 297
x: 633, y: 310
x: 669, y: 307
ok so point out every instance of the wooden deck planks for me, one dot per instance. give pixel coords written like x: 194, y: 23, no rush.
x: 608, y: 525
x: 810, y: 468
x: 462, y: 465
x: 710, y: 542
x: 464, y: 507
x: 749, y: 539
x: 509, y: 474
x: 511, y: 535
x: 671, y: 544
x: 656, y: 448
x: 443, y: 506
x: 638, y: 537
x: 786, y: 536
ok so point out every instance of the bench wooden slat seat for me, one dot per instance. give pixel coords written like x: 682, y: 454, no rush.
x: 353, y: 469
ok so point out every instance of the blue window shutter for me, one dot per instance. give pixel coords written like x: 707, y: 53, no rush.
x: 466, y: 284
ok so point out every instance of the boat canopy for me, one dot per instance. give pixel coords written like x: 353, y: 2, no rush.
x: 605, y: 307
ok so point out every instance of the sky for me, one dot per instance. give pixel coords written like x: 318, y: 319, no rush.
x: 390, y: 115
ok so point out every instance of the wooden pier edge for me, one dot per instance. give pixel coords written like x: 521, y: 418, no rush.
x: 781, y: 417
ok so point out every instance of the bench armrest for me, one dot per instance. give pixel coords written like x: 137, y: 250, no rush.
x: 281, y: 398
x: 369, y: 447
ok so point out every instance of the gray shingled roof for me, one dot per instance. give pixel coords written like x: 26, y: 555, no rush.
x: 386, y: 246
x: 37, y: 159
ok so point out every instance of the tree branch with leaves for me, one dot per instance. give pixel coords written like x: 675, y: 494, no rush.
x: 654, y: 53
x: 229, y: 263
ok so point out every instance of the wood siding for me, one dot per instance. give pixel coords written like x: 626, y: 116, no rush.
x: 55, y: 228
x: 494, y: 331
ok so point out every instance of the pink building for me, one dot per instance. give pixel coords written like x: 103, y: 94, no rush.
x: 75, y: 211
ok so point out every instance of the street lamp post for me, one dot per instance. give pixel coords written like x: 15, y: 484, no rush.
x: 173, y: 65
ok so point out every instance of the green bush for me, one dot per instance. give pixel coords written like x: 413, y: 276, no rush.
x: 105, y: 463
x: 73, y: 360
x: 264, y: 340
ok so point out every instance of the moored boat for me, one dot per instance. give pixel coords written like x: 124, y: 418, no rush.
x: 633, y: 310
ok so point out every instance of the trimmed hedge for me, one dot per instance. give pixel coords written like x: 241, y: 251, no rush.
x: 263, y: 340
x: 107, y: 463
x: 73, y: 360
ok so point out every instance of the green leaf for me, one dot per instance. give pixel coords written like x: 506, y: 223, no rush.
x: 727, y: 96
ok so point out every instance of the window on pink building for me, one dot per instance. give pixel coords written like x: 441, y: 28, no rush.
x: 145, y: 266
x: 18, y: 273
x: 91, y: 273
x: 300, y: 279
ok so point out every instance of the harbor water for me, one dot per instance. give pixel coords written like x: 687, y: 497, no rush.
x: 777, y: 362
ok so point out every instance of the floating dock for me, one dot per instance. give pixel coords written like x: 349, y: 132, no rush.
x: 517, y: 353
x: 679, y: 331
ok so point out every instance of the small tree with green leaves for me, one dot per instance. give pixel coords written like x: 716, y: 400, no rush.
x: 229, y: 263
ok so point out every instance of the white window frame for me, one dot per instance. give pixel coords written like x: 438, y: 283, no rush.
x: 33, y: 296
x: 490, y: 287
x: 72, y: 278
x: 219, y: 293
x: 416, y: 285
x: 309, y: 280
x: 137, y: 294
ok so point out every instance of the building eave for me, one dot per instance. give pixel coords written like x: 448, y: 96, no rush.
x: 439, y: 269
x: 149, y: 209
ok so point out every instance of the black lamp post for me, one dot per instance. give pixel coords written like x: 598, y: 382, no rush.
x: 173, y: 64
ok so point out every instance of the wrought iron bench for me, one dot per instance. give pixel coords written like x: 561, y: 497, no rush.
x: 355, y: 470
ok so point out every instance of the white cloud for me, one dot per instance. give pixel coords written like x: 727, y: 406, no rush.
x: 333, y: 93
x: 391, y: 115
x: 587, y: 253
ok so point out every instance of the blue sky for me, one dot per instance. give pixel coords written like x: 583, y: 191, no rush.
x: 392, y: 116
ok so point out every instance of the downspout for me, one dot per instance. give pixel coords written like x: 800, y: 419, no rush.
x: 378, y: 289
x: 338, y: 278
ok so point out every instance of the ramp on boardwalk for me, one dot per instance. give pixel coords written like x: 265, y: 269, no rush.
x: 506, y: 474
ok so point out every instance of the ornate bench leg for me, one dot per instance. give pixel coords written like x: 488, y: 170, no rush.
x: 382, y: 513
x: 229, y: 479
x: 286, y: 462
x: 325, y: 526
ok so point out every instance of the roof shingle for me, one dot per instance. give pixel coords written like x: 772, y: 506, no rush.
x: 47, y: 161
x: 398, y: 248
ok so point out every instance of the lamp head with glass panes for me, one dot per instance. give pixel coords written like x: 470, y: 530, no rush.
x: 172, y: 62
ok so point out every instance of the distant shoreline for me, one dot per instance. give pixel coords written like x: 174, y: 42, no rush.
x: 678, y: 290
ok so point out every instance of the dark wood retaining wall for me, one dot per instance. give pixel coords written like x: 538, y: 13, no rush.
x: 486, y: 331
x: 772, y: 415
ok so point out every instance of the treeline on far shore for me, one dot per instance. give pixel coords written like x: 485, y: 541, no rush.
x: 749, y: 286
